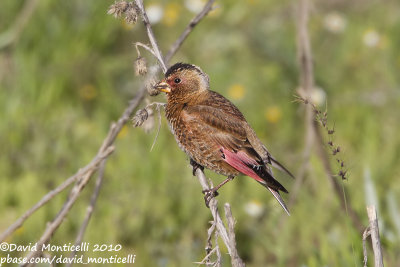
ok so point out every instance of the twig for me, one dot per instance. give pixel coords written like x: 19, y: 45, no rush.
x: 12, y: 34
x: 90, y: 208
x: 206, y: 259
x: 236, y: 261
x: 366, y: 234
x: 313, y: 134
x: 306, y: 84
x: 178, y: 43
x: 20, y: 221
x: 145, y: 47
x: 231, y: 229
x: 374, y: 229
x: 150, y: 34
x: 217, y: 262
x: 52, y: 226
x: 208, y: 248
x: 339, y: 191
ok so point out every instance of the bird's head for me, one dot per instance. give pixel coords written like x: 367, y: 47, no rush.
x: 183, y: 80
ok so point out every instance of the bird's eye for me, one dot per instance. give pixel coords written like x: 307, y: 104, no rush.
x: 177, y: 80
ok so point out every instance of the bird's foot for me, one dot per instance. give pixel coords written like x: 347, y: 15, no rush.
x: 195, y: 166
x: 208, y: 195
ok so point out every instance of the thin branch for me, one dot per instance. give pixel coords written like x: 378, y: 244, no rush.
x: 12, y: 34
x: 217, y: 262
x: 231, y: 246
x: 150, y: 34
x: 20, y: 221
x: 339, y: 191
x: 231, y: 228
x: 53, y: 226
x: 178, y: 43
x: 306, y: 84
x: 313, y: 134
x: 375, y: 239
x: 90, y: 208
x: 145, y: 47
x: 206, y: 260
x: 366, y: 234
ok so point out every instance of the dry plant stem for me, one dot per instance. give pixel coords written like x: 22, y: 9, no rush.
x: 313, y: 134
x: 90, y: 208
x: 232, y: 236
x: 73, y: 196
x: 306, y: 84
x: 178, y: 43
x: 231, y: 246
x: 18, y: 223
x: 150, y: 34
x: 209, y: 249
x: 366, y: 233
x: 334, y: 182
x: 145, y: 47
x: 11, y: 35
x: 75, y: 191
x: 217, y: 252
x: 374, y: 230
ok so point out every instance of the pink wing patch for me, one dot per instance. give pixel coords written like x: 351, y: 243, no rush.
x: 240, y: 161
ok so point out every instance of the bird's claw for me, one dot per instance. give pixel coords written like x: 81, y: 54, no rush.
x: 208, y: 195
x: 195, y: 166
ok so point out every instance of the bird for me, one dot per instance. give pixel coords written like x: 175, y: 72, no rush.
x: 213, y: 132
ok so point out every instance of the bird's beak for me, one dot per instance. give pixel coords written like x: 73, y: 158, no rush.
x: 163, y: 87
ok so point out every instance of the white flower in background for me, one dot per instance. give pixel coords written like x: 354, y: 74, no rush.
x: 155, y: 13
x: 254, y: 208
x: 335, y: 22
x: 318, y: 96
x: 194, y: 6
x: 371, y: 38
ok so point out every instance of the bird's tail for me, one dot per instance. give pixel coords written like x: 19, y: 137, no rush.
x: 279, y: 166
x: 274, y: 187
x: 279, y: 198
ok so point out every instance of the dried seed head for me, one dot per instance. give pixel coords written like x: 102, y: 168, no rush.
x: 118, y: 8
x: 131, y: 14
x: 343, y: 174
x: 148, y: 124
x: 331, y: 131
x: 150, y: 87
x: 140, y: 66
x: 140, y: 117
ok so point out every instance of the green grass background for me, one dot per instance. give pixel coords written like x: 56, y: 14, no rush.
x: 70, y: 74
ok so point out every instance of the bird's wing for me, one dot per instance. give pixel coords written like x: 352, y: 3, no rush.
x: 230, y: 135
x: 223, y: 128
x: 221, y: 103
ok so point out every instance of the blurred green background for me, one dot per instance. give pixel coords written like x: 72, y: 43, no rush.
x: 69, y: 74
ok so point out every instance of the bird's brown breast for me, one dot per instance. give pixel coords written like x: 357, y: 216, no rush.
x: 196, y: 138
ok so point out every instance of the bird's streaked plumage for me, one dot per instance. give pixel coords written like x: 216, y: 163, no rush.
x: 213, y: 132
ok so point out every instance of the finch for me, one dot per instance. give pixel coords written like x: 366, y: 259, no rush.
x: 214, y: 133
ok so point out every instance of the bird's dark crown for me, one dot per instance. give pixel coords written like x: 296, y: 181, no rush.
x: 182, y: 66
